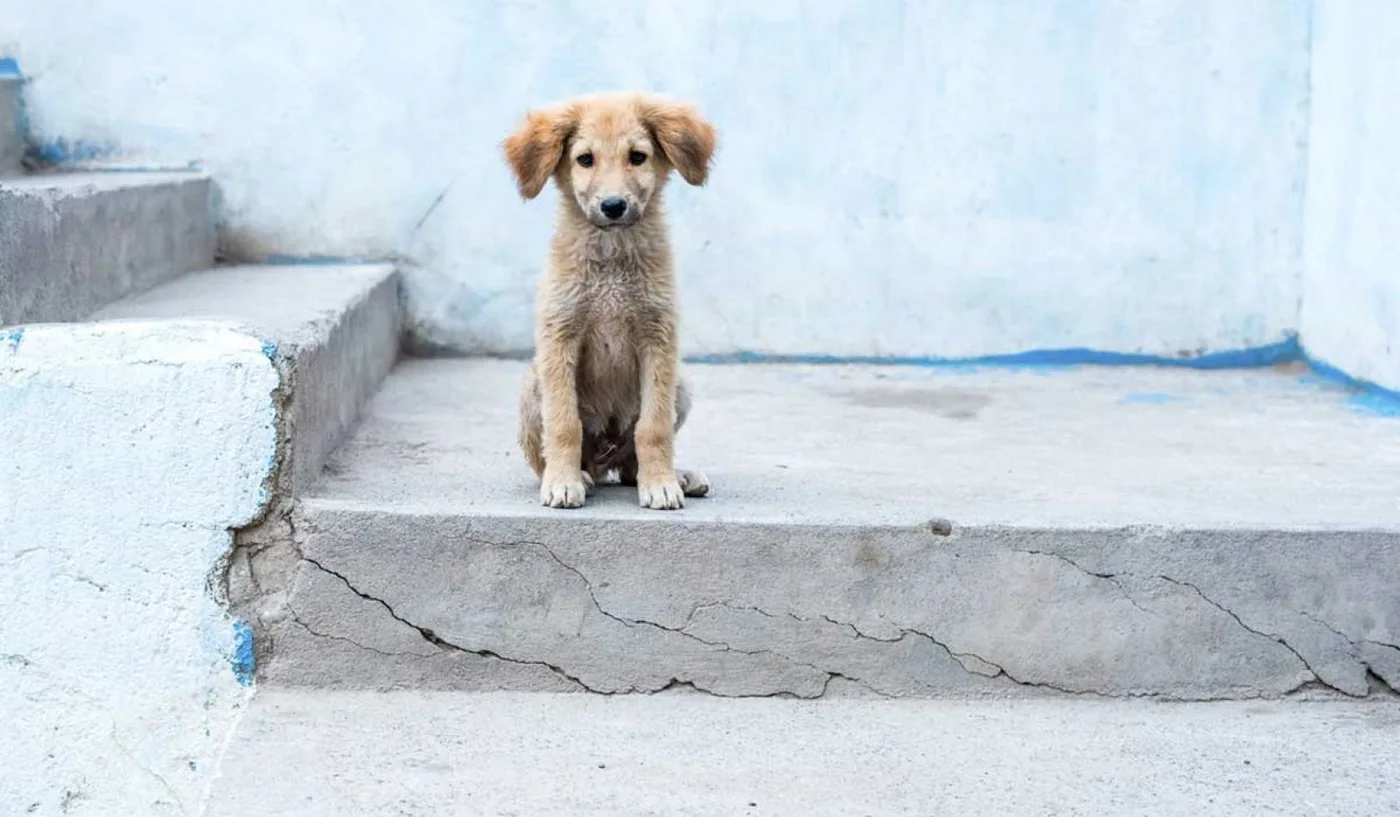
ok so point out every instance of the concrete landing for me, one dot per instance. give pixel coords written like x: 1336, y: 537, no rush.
x: 308, y: 754
x: 872, y: 531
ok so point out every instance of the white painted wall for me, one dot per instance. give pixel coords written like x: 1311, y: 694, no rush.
x: 1351, y: 305
x: 127, y: 452
x: 898, y: 177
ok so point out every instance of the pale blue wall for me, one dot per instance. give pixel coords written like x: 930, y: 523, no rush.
x: 897, y: 177
x: 1351, y: 306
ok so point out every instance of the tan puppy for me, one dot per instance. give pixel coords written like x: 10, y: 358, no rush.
x: 604, y: 392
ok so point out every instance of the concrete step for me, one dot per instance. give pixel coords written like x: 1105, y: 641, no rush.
x: 333, y: 331
x: 71, y: 243
x: 896, y: 531
x: 320, y: 753
x: 11, y: 144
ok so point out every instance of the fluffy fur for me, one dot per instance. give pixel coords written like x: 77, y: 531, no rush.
x: 604, y: 393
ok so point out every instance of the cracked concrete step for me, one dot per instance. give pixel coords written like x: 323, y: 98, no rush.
x: 325, y: 754
x: 11, y: 146
x: 333, y: 331
x: 891, y: 531
x: 71, y: 243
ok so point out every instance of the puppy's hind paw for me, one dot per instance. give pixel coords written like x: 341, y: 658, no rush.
x: 693, y: 483
x: 661, y: 495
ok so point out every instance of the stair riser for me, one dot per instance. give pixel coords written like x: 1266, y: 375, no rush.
x: 751, y: 610
x: 66, y: 251
x: 11, y: 147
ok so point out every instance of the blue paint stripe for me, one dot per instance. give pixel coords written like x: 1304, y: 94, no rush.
x: 1371, y: 397
x: 1285, y: 351
x: 9, y: 68
x: 243, y: 660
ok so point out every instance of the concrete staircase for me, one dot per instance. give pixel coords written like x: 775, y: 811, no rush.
x: 953, y: 536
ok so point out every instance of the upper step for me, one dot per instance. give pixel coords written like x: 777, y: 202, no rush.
x: 11, y: 144
x: 72, y: 243
x: 901, y: 531
x: 333, y: 331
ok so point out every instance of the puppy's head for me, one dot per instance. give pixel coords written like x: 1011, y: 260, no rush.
x: 610, y: 154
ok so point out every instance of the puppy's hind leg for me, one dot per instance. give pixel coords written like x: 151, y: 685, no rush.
x: 531, y: 431
x: 693, y: 483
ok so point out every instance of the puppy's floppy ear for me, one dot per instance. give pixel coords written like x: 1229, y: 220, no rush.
x: 683, y: 135
x: 534, y: 151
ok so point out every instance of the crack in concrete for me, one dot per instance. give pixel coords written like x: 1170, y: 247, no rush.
x: 1279, y: 639
x: 296, y: 619
x: 436, y: 640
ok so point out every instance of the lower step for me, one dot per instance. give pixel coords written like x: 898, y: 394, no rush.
x: 891, y: 532
x: 437, y: 754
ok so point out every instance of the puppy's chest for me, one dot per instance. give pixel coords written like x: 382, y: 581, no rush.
x: 618, y: 307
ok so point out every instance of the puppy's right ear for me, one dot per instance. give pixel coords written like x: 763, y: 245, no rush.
x: 534, y: 151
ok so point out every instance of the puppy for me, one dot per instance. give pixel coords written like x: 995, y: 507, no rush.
x: 604, y: 393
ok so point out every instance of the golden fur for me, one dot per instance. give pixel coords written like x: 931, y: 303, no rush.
x: 604, y: 393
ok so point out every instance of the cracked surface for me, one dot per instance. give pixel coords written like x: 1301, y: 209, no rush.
x: 616, y: 607
x: 1238, y: 540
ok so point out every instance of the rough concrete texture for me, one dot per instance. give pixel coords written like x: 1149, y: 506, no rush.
x: 71, y: 243
x: 11, y: 146
x: 129, y: 452
x: 890, y: 531
x: 333, y: 329
x: 322, y: 754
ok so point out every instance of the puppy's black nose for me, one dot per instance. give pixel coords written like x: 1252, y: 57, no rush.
x: 613, y: 208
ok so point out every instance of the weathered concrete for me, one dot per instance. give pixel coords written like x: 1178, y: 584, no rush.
x: 321, y: 754
x: 71, y: 243
x: 897, y: 531
x: 11, y: 147
x: 129, y: 452
x: 333, y: 330
x: 1010, y: 175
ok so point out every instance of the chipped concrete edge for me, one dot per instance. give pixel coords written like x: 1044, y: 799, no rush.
x: 326, y: 376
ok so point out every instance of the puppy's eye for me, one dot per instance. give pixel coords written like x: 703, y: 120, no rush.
x: 637, y: 157
x: 585, y: 160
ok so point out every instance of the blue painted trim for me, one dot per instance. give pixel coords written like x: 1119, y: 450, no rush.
x: 243, y: 660
x: 1285, y: 351
x: 9, y: 68
x: 62, y: 151
x: 12, y: 337
x: 1371, y: 397
x: 278, y: 260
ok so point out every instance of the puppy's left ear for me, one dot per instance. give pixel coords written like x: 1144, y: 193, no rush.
x: 683, y: 135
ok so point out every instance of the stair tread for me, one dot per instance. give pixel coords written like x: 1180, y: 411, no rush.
x: 424, y: 753
x: 61, y: 184
x: 1059, y: 448
x: 285, y: 302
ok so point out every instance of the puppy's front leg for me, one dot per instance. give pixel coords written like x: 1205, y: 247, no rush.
x: 657, y: 486
x: 561, y: 486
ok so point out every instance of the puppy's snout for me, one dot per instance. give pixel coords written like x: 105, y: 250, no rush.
x: 614, y: 207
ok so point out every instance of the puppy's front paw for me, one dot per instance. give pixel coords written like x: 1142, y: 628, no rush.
x: 563, y: 492
x: 661, y: 494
